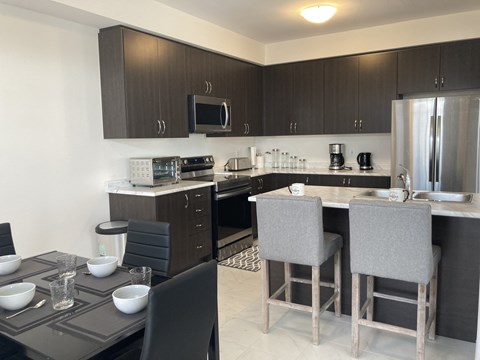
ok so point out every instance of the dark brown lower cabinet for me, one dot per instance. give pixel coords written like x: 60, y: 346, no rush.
x: 188, y: 212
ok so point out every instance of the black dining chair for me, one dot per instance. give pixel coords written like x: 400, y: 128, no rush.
x: 181, y: 317
x: 6, y: 240
x: 148, y: 244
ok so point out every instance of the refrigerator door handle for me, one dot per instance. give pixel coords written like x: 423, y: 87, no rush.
x: 438, y: 136
x: 432, y: 149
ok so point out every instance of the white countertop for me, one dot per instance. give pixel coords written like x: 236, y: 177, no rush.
x: 310, y: 171
x: 127, y: 189
x: 339, y: 197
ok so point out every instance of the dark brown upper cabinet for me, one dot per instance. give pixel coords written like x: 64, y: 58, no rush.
x: 143, y: 85
x: 446, y: 67
x: 358, y: 93
x: 208, y: 73
x: 293, y: 102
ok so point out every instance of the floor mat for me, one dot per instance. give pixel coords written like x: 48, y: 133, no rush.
x: 245, y: 260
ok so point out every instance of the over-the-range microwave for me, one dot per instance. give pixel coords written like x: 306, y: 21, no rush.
x: 154, y: 171
x: 207, y: 114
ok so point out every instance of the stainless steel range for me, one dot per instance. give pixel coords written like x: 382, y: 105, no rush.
x: 231, y: 211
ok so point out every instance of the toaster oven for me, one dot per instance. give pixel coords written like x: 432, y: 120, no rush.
x: 154, y: 171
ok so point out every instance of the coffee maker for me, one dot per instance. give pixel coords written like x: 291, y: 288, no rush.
x: 337, y: 162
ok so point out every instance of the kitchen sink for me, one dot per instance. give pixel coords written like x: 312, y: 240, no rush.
x: 442, y: 196
x: 378, y: 193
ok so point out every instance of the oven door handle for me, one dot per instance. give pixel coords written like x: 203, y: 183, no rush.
x: 232, y: 193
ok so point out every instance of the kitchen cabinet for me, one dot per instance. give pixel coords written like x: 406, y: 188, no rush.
x: 247, y: 100
x: 358, y: 93
x: 294, y: 98
x: 446, y: 67
x: 208, y: 73
x: 143, y: 85
x: 260, y: 184
x: 190, y: 217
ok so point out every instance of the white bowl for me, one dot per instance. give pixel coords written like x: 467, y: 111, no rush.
x: 102, y: 266
x: 9, y: 264
x: 131, y: 299
x: 16, y: 296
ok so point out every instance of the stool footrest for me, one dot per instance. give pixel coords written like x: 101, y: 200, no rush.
x: 290, y: 305
x: 387, y: 327
x: 397, y: 298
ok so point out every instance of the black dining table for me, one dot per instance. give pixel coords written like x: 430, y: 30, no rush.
x: 92, y: 328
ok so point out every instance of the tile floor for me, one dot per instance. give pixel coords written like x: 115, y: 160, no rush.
x: 289, y: 338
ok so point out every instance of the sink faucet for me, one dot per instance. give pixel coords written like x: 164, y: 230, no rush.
x: 406, y: 179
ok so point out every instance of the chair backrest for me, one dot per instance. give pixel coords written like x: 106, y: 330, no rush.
x: 391, y: 239
x: 181, y: 315
x: 290, y: 229
x: 6, y: 240
x: 148, y: 244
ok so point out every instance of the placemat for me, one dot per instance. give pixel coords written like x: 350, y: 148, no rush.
x: 102, y: 323
x: 98, y: 286
x: 28, y: 267
x: 34, y: 317
x: 51, y: 257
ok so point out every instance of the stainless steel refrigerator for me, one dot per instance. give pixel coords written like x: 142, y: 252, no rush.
x: 437, y: 140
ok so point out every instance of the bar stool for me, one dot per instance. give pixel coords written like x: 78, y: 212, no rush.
x: 290, y: 230
x: 393, y: 240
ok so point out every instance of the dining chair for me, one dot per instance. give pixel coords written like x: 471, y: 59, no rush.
x: 6, y: 240
x: 393, y: 240
x: 290, y: 230
x: 148, y: 244
x: 181, y: 318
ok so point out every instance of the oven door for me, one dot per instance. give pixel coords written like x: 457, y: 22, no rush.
x: 232, y: 219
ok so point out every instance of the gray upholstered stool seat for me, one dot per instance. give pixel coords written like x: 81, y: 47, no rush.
x: 393, y: 240
x: 290, y: 230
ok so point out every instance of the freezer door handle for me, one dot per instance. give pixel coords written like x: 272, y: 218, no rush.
x: 438, y: 136
x: 430, y: 152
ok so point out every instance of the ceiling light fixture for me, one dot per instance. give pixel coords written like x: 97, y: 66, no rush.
x: 318, y: 13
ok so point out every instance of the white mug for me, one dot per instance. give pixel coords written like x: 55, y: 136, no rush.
x: 297, y: 189
x: 398, y: 194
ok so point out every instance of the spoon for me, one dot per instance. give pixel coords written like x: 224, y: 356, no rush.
x: 36, y: 306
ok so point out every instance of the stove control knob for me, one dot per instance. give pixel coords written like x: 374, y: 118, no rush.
x: 185, y: 161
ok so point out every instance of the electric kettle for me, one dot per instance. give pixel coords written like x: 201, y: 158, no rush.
x: 364, y: 159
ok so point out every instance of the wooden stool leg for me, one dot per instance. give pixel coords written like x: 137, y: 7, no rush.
x: 370, y: 286
x: 355, y: 314
x: 265, y: 294
x: 338, y: 282
x: 432, y: 310
x: 421, y: 313
x: 288, y: 289
x: 316, y: 304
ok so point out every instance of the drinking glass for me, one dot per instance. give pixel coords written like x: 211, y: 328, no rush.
x: 66, y: 265
x: 141, y: 275
x: 62, y: 293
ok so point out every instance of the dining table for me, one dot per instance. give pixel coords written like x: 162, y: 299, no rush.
x: 92, y: 328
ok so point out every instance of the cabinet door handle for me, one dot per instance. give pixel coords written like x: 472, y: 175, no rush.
x: 295, y: 128
x: 244, y: 129
x: 198, y: 225
x: 360, y: 125
x: 348, y: 181
x: 198, y: 210
x: 344, y: 181
x: 211, y: 87
x: 199, y: 246
x: 307, y: 180
x: 291, y: 124
x: 159, y: 127
x: 442, y: 82
x: 248, y: 128
x: 164, y: 127
x: 355, y: 125
x: 261, y: 184
x: 206, y: 87
x: 436, y: 81
x: 186, y: 201
x: 198, y: 195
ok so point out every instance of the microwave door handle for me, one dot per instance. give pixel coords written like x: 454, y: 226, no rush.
x: 225, y: 108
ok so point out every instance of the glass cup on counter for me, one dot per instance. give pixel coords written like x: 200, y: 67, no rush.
x: 275, y: 158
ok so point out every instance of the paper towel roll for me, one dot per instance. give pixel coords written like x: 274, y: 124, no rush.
x: 253, y: 155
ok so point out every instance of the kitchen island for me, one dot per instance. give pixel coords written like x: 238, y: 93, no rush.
x: 455, y: 228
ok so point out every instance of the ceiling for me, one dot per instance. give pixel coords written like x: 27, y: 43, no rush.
x: 270, y: 21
